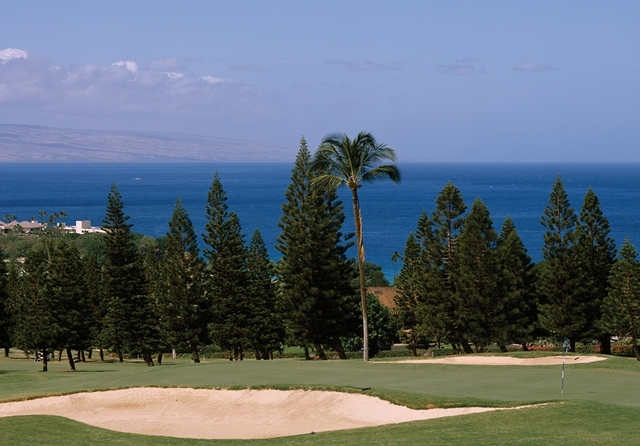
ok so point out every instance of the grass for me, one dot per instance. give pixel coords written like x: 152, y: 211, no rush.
x: 601, y: 404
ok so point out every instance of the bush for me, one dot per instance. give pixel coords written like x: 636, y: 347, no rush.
x: 622, y: 350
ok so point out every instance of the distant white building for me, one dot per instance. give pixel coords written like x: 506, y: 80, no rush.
x: 83, y: 227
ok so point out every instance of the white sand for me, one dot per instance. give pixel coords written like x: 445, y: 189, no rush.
x: 218, y: 414
x: 502, y: 360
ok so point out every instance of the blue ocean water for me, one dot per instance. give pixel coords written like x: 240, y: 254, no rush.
x: 256, y: 193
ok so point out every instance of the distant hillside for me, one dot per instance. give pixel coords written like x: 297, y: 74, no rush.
x: 25, y: 143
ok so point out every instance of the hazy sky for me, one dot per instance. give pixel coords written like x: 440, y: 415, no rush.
x: 438, y: 81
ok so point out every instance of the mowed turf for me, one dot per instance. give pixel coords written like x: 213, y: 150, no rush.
x: 600, y: 405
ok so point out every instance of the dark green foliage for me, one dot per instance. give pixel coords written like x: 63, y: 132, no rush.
x: 342, y: 161
x: 621, y: 307
x: 383, y: 328
x: 561, y: 311
x: 90, y: 244
x: 516, y: 286
x: 226, y: 273
x: 67, y: 288
x: 17, y: 245
x: 319, y: 303
x: 408, y: 296
x: 38, y: 322
x: 560, y: 221
x: 129, y: 322
x: 595, y: 255
x: 13, y: 290
x: 95, y: 297
x: 5, y: 307
x: 374, y: 276
x: 152, y: 268
x: 182, y: 302
x: 266, y: 328
x: 481, y: 309
x: 438, y: 236
x: 447, y: 222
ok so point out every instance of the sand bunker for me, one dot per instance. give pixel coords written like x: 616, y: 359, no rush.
x: 220, y: 414
x: 505, y: 360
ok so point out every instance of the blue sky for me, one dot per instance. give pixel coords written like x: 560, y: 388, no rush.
x: 539, y: 81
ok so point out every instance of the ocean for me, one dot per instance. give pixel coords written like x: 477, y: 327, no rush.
x: 255, y: 192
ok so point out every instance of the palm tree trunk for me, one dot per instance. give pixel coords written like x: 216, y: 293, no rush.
x: 357, y: 216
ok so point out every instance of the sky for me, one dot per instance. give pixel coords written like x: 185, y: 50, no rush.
x: 490, y: 81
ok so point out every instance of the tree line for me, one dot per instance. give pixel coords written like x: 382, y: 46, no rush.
x: 463, y: 283
x: 132, y: 301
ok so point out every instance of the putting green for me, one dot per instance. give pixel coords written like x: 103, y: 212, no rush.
x: 613, y: 381
x: 595, y: 409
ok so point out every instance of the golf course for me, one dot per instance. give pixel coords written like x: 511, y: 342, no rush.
x: 600, y: 403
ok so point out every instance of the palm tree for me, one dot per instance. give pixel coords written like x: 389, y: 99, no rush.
x: 342, y: 161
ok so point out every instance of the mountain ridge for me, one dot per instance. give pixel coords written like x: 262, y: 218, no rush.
x: 31, y: 143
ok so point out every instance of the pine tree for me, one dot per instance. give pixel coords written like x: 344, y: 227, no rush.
x: 439, y: 237
x: 516, y: 286
x: 5, y: 313
x: 408, y: 297
x: 13, y: 290
x: 319, y: 302
x: 37, y: 314
x: 153, y: 278
x: 596, y: 254
x: 183, y: 304
x: 67, y: 288
x: 95, y: 298
x: 621, y: 307
x: 129, y: 323
x: 266, y: 328
x: 447, y: 223
x: 481, y: 309
x: 560, y: 309
x: 226, y: 271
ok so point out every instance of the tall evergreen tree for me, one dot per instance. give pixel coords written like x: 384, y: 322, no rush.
x: 433, y: 287
x: 596, y: 254
x: 621, y: 307
x: 516, y: 285
x: 481, y: 308
x: 95, y: 299
x: 319, y: 301
x: 439, y: 237
x: 5, y: 312
x: 129, y: 323
x: 266, y: 328
x: 408, y: 297
x: 67, y: 289
x: 560, y: 309
x: 153, y: 277
x: 183, y: 304
x: 13, y: 290
x: 226, y: 272
x: 37, y: 315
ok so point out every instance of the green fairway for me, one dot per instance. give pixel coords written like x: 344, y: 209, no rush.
x: 600, y: 403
